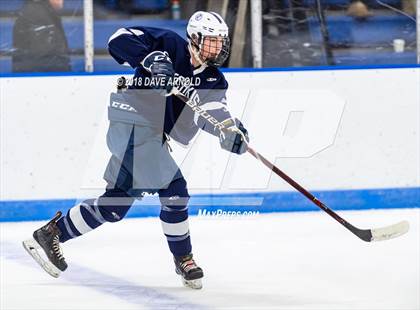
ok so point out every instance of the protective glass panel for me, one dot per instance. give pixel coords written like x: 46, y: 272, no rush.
x: 48, y: 35
x: 338, y: 32
x: 112, y: 15
x: 41, y: 36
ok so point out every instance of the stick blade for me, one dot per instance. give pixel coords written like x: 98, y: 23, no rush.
x: 390, y: 232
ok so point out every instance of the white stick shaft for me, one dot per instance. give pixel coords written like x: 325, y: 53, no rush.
x: 418, y: 31
x: 256, y: 26
x: 88, y: 26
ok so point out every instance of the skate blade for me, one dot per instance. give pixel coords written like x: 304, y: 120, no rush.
x: 31, y: 246
x: 194, y: 284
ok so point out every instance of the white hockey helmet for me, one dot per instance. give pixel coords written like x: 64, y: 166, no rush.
x: 208, y: 24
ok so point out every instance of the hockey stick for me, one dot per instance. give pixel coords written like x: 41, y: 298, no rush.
x: 368, y: 235
x: 377, y: 234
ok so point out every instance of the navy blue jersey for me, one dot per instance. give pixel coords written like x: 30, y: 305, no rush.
x: 129, y: 46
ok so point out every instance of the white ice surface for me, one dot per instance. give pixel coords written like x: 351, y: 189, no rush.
x: 272, y: 261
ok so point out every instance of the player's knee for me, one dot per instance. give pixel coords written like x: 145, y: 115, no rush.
x: 114, y: 205
x: 175, y: 196
x: 112, y: 214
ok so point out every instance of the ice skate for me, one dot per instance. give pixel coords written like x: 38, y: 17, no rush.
x: 191, y: 274
x: 47, y: 238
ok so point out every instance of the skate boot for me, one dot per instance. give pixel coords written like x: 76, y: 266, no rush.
x: 191, y: 274
x: 47, y: 238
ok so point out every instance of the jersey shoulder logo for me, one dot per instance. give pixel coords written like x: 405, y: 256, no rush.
x: 211, y: 79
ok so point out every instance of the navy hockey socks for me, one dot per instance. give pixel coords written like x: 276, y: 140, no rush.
x: 174, y: 217
x: 91, y: 213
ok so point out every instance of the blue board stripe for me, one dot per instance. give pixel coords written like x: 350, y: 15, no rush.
x: 264, y: 202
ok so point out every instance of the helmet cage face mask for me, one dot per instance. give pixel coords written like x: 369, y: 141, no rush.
x: 205, y: 44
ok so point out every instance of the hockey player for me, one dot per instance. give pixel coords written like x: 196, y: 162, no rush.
x: 142, y: 119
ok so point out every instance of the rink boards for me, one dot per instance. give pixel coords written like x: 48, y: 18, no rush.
x: 351, y: 136
x: 222, y: 205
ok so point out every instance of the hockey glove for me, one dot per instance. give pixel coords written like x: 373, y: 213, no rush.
x: 235, y: 139
x: 161, y: 69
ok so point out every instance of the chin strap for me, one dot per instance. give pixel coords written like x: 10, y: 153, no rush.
x: 195, y: 53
